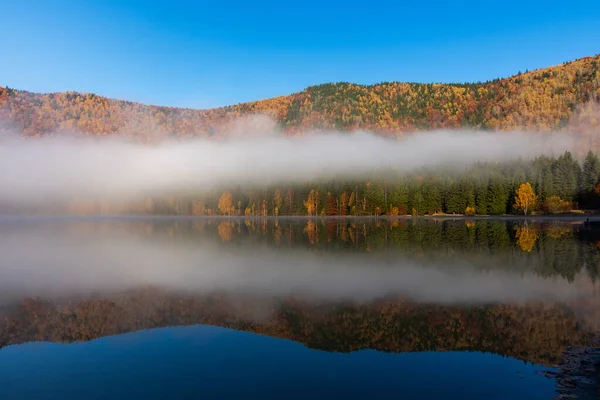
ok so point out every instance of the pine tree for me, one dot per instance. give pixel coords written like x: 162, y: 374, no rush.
x: 456, y: 199
x: 432, y: 198
x: 470, y: 197
x: 548, y: 184
x: 590, y: 173
x: 399, y: 196
x: 590, y: 176
x: 417, y: 202
x: 482, y: 199
x: 497, y: 198
x: 566, y: 176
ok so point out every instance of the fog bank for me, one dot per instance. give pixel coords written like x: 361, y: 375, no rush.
x: 60, y: 168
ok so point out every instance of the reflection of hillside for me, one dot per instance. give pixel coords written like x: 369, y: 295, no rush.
x: 534, y: 333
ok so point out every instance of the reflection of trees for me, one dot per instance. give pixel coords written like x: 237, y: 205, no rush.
x: 526, y: 237
x: 225, y: 230
x: 547, y: 249
x: 311, y: 232
x: 535, y: 333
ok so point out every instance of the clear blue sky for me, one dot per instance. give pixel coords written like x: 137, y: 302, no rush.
x: 208, y: 53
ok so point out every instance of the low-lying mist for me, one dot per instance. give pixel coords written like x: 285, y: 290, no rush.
x: 62, y: 168
x: 56, y: 260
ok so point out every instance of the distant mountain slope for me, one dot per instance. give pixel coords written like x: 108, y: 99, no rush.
x: 544, y: 99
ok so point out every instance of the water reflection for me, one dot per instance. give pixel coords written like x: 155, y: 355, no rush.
x: 536, y: 333
x: 526, y: 290
x: 523, y: 289
x: 428, y: 261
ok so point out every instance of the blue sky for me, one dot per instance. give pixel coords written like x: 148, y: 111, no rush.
x: 205, y: 53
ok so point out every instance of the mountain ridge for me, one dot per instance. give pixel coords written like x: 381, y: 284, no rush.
x: 541, y: 100
x: 367, y: 85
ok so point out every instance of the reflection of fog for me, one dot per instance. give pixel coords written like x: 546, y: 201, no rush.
x: 58, y: 260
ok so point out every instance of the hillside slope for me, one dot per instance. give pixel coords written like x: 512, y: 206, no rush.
x: 545, y: 99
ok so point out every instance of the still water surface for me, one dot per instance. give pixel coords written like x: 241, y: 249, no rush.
x: 215, y: 308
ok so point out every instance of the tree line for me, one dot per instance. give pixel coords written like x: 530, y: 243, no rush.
x: 548, y: 185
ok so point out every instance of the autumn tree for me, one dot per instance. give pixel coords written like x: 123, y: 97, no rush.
x: 555, y: 205
x: 343, y: 203
x: 525, y: 198
x: 226, y: 203
x: 311, y: 202
x: 469, y: 211
x: 264, y: 208
x: 330, y: 205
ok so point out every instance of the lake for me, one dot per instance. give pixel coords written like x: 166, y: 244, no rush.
x: 293, y: 308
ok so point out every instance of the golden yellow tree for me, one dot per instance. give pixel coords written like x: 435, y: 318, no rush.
x: 311, y: 202
x: 264, y: 208
x: 226, y: 203
x: 525, y: 198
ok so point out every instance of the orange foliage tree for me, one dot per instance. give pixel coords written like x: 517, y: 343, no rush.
x: 525, y: 198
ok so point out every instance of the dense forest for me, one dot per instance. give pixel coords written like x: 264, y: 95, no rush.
x: 544, y: 185
x: 542, y: 100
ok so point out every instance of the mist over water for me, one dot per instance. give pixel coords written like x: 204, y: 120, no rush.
x: 60, y: 168
x: 62, y: 259
x: 37, y: 259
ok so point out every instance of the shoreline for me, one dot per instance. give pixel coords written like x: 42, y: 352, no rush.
x: 576, y: 375
x: 576, y: 218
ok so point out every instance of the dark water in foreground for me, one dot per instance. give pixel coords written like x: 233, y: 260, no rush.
x: 209, y: 362
x: 143, y: 308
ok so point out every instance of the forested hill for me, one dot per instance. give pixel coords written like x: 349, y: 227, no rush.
x: 545, y: 99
